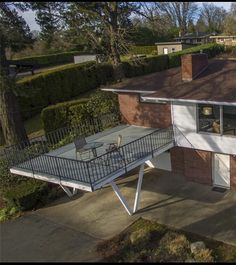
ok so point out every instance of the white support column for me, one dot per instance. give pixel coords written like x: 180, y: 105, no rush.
x: 121, y: 198
x: 66, y: 190
x: 74, y: 191
x: 138, y: 191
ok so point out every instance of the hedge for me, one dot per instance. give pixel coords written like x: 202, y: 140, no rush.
x: 60, y: 84
x: 51, y: 59
x: 73, y: 112
x: 210, y: 49
x: 145, y: 65
x: 143, y: 49
x: 57, y: 116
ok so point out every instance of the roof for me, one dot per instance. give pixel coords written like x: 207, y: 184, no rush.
x: 168, y: 43
x: 194, y: 35
x: 222, y: 36
x: 216, y: 84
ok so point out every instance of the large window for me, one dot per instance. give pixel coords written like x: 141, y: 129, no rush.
x: 217, y: 119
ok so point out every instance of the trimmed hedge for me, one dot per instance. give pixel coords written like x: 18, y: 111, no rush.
x: 210, y: 49
x: 60, y: 84
x: 51, y: 59
x: 143, y: 49
x: 73, y: 112
x: 57, y: 116
x: 145, y: 66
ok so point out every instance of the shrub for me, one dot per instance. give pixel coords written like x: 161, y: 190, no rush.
x: 75, y: 112
x: 51, y: 59
x: 57, y: 116
x: 145, y: 66
x: 57, y: 85
x: 211, y: 50
x: 143, y: 49
x: 203, y: 255
x: 26, y: 195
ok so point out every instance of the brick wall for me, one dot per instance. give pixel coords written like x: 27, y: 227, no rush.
x: 143, y: 114
x: 195, y: 165
x: 233, y: 172
x: 192, y: 65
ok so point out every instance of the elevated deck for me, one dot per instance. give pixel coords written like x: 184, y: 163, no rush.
x: 60, y: 166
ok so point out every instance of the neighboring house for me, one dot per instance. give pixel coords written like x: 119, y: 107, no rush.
x: 86, y: 58
x: 199, y: 100
x: 194, y: 38
x: 169, y: 47
x: 224, y: 39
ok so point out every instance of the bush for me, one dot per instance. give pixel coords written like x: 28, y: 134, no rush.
x: 143, y: 49
x: 51, y: 59
x: 75, y: 112
x: 211, y: 50
x: 203, y: 255
x: 57, y: 85
x: 26, y: 195
x: 145, y: 66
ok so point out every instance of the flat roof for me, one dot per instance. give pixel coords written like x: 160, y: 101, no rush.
x: 216, y: 84
x: 169, y: 42
x: 223, y: 36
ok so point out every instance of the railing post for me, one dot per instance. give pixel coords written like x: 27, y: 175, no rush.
x: 90, y: 181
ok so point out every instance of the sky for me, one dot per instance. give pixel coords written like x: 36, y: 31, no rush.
x: 30, y: 15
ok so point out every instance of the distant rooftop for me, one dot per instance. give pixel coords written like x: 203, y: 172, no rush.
x: 194, y: 35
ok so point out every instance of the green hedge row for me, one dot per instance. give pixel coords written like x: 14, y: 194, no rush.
x: 58, y: 85
x: 74, y: 112
x: 143, y: 49
x: 145, y: 65
x: 210, y: 49
x: 51, y: 59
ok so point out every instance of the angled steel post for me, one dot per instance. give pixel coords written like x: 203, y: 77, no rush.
x: 138, y: 190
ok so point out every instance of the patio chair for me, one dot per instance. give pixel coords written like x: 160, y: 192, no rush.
x: 79, y: 147
x: 115, y: 146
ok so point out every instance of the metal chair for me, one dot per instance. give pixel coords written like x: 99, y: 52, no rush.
x: 115, y: 146
x: 79, y: 147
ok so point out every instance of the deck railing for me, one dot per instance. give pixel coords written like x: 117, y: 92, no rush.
x: 96, y: 169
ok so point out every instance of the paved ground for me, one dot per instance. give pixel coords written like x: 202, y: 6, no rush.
x: 68, y: 230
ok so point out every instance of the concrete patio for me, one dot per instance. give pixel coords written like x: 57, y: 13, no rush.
x: 166, y: 198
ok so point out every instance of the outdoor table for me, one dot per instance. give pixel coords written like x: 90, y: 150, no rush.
x: 93, y: 146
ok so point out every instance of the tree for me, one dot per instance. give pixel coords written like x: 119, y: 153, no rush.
x: 213, y: 17
x: 105, y: 25
x: 180, y: 13
x: 230, y: 21
x: 50, y: 17
x: 14, y: 34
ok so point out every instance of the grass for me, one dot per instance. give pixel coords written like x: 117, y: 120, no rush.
x: 147, y: 241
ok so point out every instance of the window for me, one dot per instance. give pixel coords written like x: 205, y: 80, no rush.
x: 173, y: 49
x: 229, y: 120
x: 217, y: 119
x: 209, y: 118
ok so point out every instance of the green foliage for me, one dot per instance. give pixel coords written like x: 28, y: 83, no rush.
x: 76, y: 111
x: 57, y: 85
x: 211, y: 50
x: 143, y: 49
x: 26, y: 195
x: 57, y: 116
x: 145, y: 65
x: 51, y: 59
x: 8, y: 212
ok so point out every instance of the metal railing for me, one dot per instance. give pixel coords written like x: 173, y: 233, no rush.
x: 37, y: 146
x: 96, y: 169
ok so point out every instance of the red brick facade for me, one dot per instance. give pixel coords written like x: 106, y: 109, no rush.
x: 192, y: 65
x: 195, y: 165
x: 233, y: 172
x: 144, y: 114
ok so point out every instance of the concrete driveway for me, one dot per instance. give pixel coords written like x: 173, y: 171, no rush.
x: 69, y: 229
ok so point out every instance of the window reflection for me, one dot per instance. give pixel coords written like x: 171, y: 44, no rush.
x: 209, y: 118
x: 229, y: 120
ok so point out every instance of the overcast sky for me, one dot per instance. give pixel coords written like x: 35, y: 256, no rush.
x: 30, y: 15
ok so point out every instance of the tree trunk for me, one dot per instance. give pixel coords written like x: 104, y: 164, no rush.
x: 10, y: 116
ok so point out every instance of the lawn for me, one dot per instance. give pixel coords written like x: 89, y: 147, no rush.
x: 146, y: 241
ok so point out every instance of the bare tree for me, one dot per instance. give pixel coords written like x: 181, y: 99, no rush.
x: 213, y: 17
x: 230, y: 21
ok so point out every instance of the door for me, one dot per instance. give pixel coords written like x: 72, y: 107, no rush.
x: 221, y: 170
x: 165, y: 50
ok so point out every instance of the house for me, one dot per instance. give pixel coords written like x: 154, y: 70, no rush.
x: 194, y: 38
x: 169, y: 47
x: 199, y: 100
x: 224, y: 39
